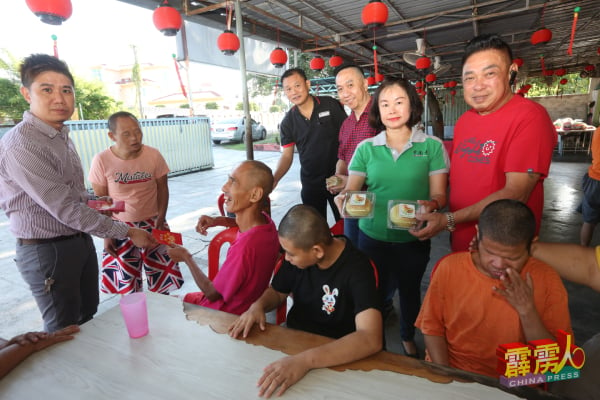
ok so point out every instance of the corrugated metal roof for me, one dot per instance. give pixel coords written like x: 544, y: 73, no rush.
x: 325, y: 27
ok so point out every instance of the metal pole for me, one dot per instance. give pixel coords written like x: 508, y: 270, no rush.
x: 187, y: 69
x: 239, y: 27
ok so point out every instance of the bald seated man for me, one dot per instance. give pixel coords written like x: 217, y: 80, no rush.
x: 251, y: 258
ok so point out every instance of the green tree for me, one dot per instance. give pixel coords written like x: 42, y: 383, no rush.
x: 542, y: 86
x: 253, y: 106
x: 12, y: 104
x: 211, y: 105
x: 92, y: 101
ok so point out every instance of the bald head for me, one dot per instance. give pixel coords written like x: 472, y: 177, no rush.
x: 257, y: 174
x: 305, y: 227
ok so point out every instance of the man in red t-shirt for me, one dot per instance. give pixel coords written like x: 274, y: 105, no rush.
x: 502, y: 147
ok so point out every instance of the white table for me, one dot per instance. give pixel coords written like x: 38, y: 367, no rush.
x: 182, y: 359
x: 581, y: 140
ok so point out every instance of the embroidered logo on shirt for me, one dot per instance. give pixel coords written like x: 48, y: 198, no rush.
x: 137, y: 177
x: 488, y: 148
x: 476, y: 151
x: 329, y: 300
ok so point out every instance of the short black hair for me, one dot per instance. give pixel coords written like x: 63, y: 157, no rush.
x: 36, y: 64
x: 342, y: 67
x: 486, y: 42
x: 112, y: 120
x: 293, y: 71
x: 416, y: 106
x: 509, y: 222
x: 305, y: 227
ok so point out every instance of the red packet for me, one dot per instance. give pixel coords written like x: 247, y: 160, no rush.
x: 102, y: 205
x: 166, y: 237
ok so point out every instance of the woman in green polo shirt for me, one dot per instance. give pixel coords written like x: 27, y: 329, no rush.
x: 400, y: 163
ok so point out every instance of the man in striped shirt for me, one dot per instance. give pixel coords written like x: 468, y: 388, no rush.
x: 43, y: 194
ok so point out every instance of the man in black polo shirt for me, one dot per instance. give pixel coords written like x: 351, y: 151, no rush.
x: 312, y: 125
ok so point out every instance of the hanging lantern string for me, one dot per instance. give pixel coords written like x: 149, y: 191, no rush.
x: 543, y: 64
x: 229, y: 14
x: 54, y: 39
x: 278, y: 37
x: 543, y: 12
x: 375, y: 55
x: 575, y: 17
x: 179, y: 76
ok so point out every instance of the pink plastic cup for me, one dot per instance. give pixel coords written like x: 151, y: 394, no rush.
x: 135, y: 314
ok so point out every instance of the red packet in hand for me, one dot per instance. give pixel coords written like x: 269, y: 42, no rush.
x: 166, y: 237
x: 101, y: 205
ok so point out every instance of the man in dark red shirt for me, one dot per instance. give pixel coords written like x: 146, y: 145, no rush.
x: 352, y: 89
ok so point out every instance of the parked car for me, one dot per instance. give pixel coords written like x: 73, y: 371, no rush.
x: 233, y: 129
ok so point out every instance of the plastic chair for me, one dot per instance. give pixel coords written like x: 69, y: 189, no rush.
x: 282, y: 308
x: 221, y: 203
x: 338, y: 227
x: 214, y: 249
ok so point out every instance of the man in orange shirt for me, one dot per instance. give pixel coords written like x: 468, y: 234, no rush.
x: 590, y: 203
x: 495, y: 295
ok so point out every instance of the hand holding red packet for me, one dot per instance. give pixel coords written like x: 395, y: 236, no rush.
x: 167, y: 237
x: 101, y: 205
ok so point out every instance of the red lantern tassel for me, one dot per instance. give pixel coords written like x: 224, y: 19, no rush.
x: 54, y: 38
x: 543, y: 64
x: 179, y: 76
x: 575, y: 16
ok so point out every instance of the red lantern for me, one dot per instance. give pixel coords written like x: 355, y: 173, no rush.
x: 375, y: 14
x: 525, y: 88
x: 430, y: 78
x: 452, y: 84
x: 379, y: 78
x: 446, y: 85
x: 560, y: 72
x: 548, y: 72
x: 335, y: 61
x: 371, y: 80
x: 419, y: 84
x: 228, y: 43
x: 589, y: 68
x: 518, y: 62
x: 453, y: 92
x: 167, y: 19
x: 278, y: 57
x: 423, y: 63
x: 53, y: 12
x: 541, y: 36
x: 317, y: 63
x: 564, y: 81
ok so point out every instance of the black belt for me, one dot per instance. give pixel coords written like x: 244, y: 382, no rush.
x: 49, y: 240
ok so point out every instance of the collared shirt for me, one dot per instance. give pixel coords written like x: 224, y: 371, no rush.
x: 316, y: 138
x: 353, y: 132
x: 41, y: 185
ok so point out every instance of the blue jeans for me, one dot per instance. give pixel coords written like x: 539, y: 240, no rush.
x: 400, y: 266
x: 351, y: 230
x: 73, y: 264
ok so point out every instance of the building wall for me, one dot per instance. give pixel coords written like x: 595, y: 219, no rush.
x: 568, y: 106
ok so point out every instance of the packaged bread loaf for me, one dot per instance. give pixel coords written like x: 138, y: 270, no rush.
x: 402, y: 215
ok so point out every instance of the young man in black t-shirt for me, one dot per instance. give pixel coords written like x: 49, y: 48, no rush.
x: 334, y: 287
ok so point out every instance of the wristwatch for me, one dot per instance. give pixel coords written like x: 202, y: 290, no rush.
x: 451, y: 224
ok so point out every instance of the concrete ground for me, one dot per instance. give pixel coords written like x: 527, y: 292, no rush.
x: 195, y: 194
